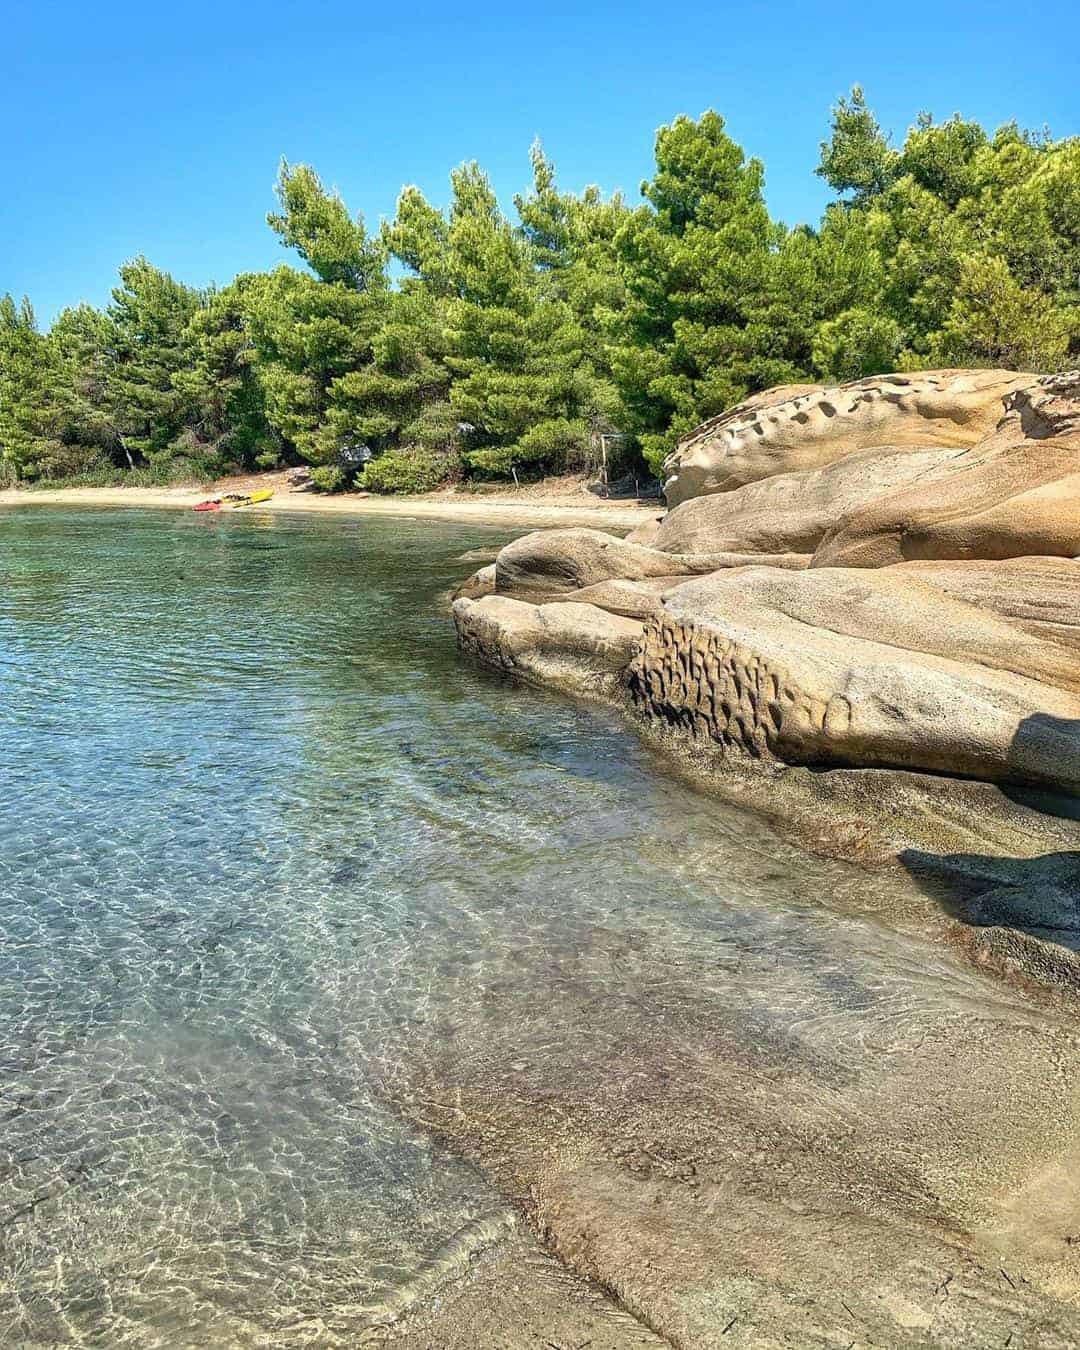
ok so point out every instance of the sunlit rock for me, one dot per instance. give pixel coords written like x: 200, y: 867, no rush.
x: 885, y: 574
x: 846, y: 667
x: 1015, y: 494
x: 574, y: 647
x: 780, y: 433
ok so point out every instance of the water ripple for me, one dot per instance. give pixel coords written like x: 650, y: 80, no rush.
x: 262, y: 838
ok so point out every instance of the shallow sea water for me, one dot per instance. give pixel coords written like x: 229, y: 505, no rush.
x: 264, y: 838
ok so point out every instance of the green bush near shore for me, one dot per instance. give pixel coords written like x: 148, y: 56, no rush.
x: 410, y: 470
x: 329, y: 478
x: 462, y: 344
x: 144, y: 475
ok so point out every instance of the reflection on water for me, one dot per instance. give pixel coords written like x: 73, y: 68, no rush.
x: 264, y: 839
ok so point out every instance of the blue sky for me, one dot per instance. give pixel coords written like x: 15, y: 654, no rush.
x: 157, y: 129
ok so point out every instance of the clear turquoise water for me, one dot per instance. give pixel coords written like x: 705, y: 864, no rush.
x: 266, y: 844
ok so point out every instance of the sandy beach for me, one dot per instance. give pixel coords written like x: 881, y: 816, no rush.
x: 537, y: 506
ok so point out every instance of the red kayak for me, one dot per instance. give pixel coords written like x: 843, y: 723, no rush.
x: 214, y: 505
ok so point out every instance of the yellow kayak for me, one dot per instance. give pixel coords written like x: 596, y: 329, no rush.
x: 250, y: 498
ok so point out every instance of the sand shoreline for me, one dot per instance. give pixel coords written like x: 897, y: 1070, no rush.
x: 489, y: 510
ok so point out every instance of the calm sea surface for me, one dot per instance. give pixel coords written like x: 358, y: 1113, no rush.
x: 263, y: 839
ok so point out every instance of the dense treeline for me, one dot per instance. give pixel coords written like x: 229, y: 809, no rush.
x: 461, y: 342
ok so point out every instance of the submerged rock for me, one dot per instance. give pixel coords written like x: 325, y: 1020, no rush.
x: 860, y: 616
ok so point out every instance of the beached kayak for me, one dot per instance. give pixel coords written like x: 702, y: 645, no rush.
x: 250, y: 498
x: 234, y: 499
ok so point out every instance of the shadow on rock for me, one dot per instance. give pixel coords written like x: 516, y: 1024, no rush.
x: 1025, y: 910
x: 1038, y: 895
x: 1043, y: 739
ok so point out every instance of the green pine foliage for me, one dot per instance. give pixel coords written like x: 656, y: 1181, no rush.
x: 461, y: 342
x: 31, y: 408
x: 517, y: 358
x: 700, y: 259
x: 149, y: 316
x: 962, y: 249
x: 227, y: 422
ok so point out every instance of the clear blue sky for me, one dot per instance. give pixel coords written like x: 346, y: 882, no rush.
x: 158, y: 128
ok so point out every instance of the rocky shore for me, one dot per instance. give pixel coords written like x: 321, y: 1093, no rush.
x: 860, y: 616
x: 883, y: 575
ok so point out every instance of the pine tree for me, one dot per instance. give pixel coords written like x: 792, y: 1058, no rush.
x: 857, y: 158
x: 30, y: 420
x: 227, y: 424
x: 312, y: 331
x: 698, y: 263
x: 84, y: 341
x: 523, y: 385
x: 149, y: 313
x: 969, y: 246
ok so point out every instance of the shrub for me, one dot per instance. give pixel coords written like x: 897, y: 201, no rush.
x: 57, y: 460
x: 435, y: 429
x: 190, y: 459
x: 857, y: 343
x: 160, y: 474
x: 554, y: 446
x: 410, y: 470
x: 97, y: 471
x: 499, y: 460
x: 329, y: 478
x: 173, y: 472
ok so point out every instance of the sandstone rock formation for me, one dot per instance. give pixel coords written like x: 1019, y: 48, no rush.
x: 807, y: 427
x: 792, y: 512
x: 841, y: 666
x: 863, y: 606
x: 481, y: 583
x: 553, y: 562
x: 579, y: 648
x: 885, y: 574
x: 1015, y: 494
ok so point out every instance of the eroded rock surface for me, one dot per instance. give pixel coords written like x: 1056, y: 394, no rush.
x: 841, y: 666
x: 554, y: 563
x: 792, y: 512
x: 1015, y: 494
x: 575, y: 647
x: 885, y: 574
x: 807, y: 427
